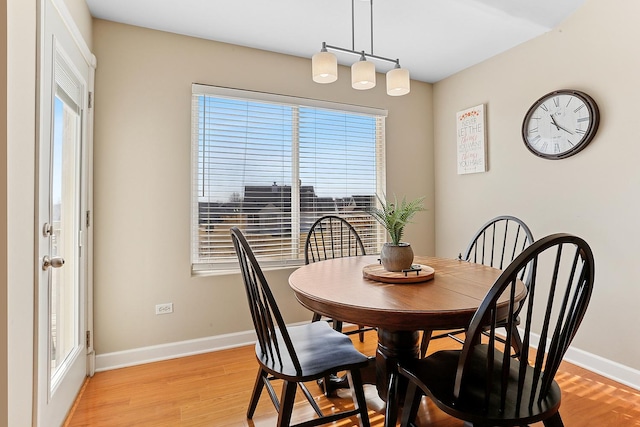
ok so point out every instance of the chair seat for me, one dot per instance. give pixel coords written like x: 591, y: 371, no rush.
x: 438, y: 373
x: 321, y: 350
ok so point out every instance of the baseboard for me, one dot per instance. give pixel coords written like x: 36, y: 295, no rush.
x: 599, y: 365
x: 137, y: 356
x: 607, y: 368
x: 155, y: 353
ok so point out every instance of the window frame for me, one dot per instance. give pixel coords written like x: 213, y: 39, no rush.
x: 198, y: 267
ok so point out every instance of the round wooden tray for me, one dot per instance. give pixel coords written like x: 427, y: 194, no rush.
x: 377, y: 272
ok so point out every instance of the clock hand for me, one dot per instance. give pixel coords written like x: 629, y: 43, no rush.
x: 558, y: 126
x: 565, y: 129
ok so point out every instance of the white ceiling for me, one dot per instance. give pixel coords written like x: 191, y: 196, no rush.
x: 432, y: 38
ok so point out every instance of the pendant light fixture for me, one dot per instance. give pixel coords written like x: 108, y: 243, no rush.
x: 324, y: 66
x: 363, y: 74
x: 398, y: 81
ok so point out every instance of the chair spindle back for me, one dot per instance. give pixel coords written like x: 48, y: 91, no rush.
x: 498, y: 242
x: 562, y: 276
x: 267, y: 320
x: 332, y: 237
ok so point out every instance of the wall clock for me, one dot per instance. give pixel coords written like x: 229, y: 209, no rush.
x: 560, y: 124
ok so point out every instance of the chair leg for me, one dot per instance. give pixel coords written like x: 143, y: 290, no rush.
x: 516, y: 341
x: 554, y: 421
x: 426, y: 337
x: 287, y: 400
x: 411, y: 405
x: 316, y: 317
x: 361, y: 333
x: 357, y: 394
x: 257, y: 391
x: 311, y: 400
x: 391, y: 411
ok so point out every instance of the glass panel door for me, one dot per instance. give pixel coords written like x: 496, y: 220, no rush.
x: 65, y: 215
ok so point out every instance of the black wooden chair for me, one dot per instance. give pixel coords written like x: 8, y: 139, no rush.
x: 296, y: 354
x: 333, y: 237
x: 496, y: 244
x: 487, y: 387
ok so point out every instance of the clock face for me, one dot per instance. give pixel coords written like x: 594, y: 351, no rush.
x: 560, y: 124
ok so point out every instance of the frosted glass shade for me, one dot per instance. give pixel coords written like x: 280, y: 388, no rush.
x: 324, y: 66
x: 398, y: 82
x: 363, y: 75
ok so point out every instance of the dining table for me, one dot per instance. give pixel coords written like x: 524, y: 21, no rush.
x: 342, y: 289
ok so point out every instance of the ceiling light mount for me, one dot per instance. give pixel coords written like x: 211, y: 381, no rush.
x: 324, y: 65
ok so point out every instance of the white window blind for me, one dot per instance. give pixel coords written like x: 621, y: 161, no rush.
x: 272, y: 165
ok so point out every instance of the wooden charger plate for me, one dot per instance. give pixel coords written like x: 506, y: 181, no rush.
x: 377, y: 272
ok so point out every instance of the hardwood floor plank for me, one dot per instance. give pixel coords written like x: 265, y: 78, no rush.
x: 213, y: 389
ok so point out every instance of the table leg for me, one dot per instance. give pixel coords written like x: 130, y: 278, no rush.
x: 394, y: 346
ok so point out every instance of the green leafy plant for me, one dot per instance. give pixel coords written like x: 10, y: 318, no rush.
x: 395, y: 216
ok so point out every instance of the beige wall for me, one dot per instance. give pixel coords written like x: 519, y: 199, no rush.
x: 142, y: 178
x: 4, y: 278
x: 82, y: 18
x: 593, y: 194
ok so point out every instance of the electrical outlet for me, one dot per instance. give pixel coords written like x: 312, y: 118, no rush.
x: 164, y: 308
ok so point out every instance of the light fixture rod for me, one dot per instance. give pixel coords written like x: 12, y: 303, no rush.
x: 359, y: 53
x: 353, y: 23
x: 371, y: 9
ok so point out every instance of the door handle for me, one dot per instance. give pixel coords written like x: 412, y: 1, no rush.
x: 55, y: 262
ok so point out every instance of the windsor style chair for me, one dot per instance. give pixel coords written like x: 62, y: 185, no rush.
x: 296, y: 354
x: 496, y: 244
x: 485, y: 386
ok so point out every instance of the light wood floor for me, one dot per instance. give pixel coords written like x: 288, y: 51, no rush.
x: 213, y: 389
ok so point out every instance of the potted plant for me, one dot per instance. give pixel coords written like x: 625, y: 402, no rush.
x: 396, y: 255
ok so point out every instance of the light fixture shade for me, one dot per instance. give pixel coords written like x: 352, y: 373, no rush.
x: 324, y: 66
x: 363, y: 75
x: 398, y: 82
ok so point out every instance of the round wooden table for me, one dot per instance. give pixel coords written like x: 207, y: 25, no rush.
x: 336, y: 288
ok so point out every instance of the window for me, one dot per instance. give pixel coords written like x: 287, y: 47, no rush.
x: 272, y: 165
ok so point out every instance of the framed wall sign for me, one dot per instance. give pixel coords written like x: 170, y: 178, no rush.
x: 471, y: 140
